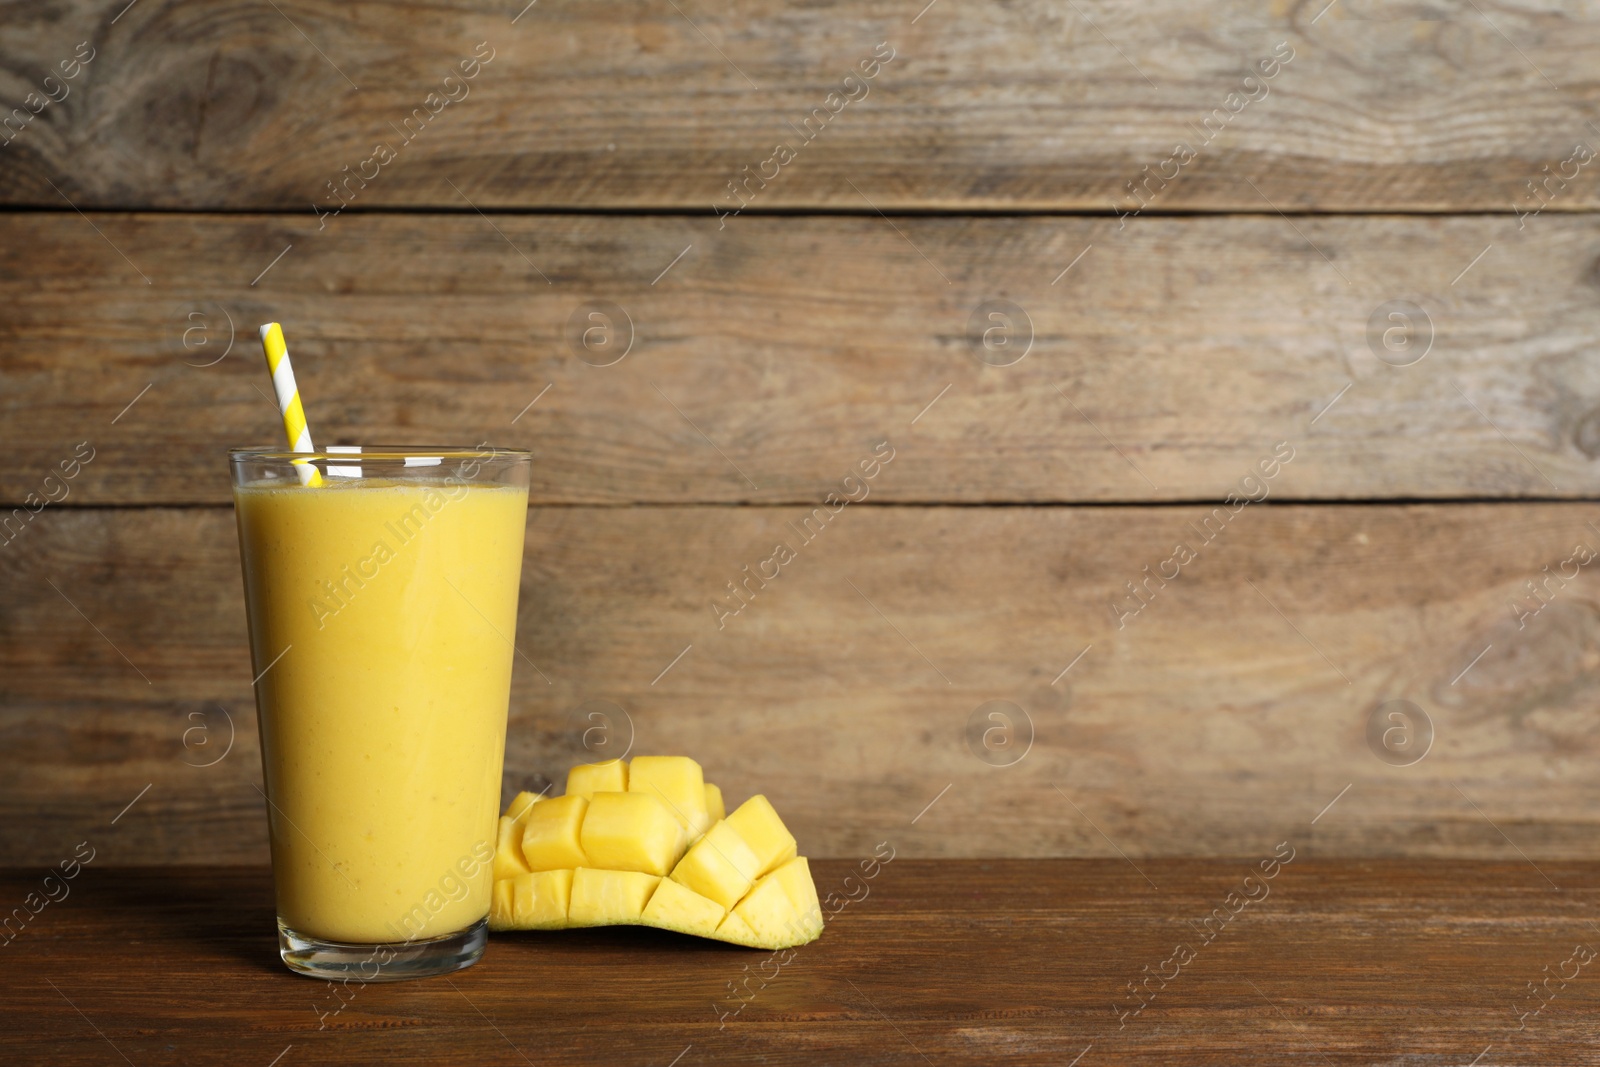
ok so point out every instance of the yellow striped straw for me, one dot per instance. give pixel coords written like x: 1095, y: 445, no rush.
x: 294, y: 415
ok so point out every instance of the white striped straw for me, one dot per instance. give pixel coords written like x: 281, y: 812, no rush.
x: 294, y: 415
x: 344, y: 471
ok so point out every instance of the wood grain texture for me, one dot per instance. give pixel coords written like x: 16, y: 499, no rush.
x: 1015, y: 962
x: 848, y: 688
x: 772, y: 356
x: 191, y: 105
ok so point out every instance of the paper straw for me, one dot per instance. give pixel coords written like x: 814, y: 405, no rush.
x: 344, y: 470
x: 294, y: 415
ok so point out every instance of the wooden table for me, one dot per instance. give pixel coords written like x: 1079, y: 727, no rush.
x: 1013, y: 961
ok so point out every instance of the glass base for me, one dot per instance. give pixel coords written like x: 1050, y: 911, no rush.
x: 341, y: 961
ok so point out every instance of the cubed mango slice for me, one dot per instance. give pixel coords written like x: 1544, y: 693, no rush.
x: 795, y: 877
x: 772, y: 912
x: 521, y: 803
x: 500, y: 905
x: 609, y: 898
x: 550, y: 834
x: 735, y: 929
x: 719, y: 866
x: 539, y: 901
x: 587, y: 779
x: 674, y: 906
x: 508, y: 858
x: 758, y: 824
x: 631, y: 832
x: 714, y: 809
x: 677, y: 782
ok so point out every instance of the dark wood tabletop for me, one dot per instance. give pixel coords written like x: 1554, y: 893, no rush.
x: 925, y: 962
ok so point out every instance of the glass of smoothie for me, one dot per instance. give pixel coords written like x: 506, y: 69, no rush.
x: 382, y: 602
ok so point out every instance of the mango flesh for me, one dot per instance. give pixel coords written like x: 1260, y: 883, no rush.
x: 733, y: 929
x: 521, y: 803
x: 550, y: 835
x: 508, y: 858
x: 780, y: 904
x: 674, y: 906
x: 714, y: 809
x: 587, y: 779
x: 678, y: 783
x: 720, y: 866
x: 631, y: 832
x: 645, y: 844
x: 540, y: 901
x: 758, y: 824
x: 609, y: 898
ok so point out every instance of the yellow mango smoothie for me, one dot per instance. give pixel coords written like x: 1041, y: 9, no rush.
x: 382, y: 614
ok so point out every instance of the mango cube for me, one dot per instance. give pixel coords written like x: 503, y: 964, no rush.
x: 758, y: 824
x: 714, y: 809
x: 631, y: 832
x: 719, y: 866
x: 521, y: 803
x: 735, y: 929
x: 587, y: 779
x: 795, y: 877
x: 508, y: 858
x: 609, y: 898
x: 500, y: 905
x: 550, y: 835
x: 677, y: 782
x: 773, y: 913
x: 677, y: 907
x: 539, y: 901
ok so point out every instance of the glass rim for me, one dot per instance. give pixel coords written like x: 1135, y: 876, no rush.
x: 371, y: 453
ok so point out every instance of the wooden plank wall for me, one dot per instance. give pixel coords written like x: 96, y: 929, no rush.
x: 1199, y: 359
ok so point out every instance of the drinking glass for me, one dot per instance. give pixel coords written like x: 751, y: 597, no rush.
x: 382, y: 602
